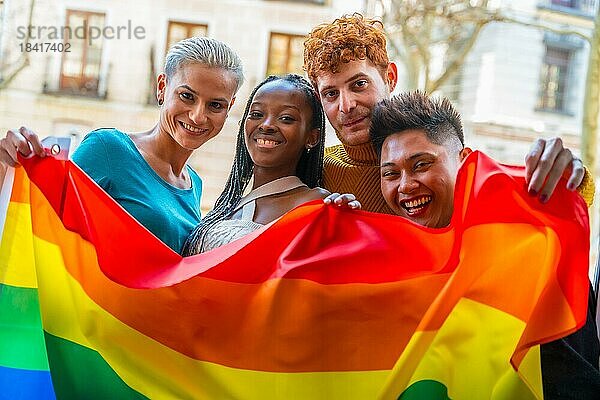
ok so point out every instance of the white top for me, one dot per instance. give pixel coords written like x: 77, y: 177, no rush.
x: 241, y: 222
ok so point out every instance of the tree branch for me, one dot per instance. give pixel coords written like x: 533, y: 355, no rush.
x: 459, y: 59
x: 23, y: 63
x: 24, y: 59
x: 506, y: 19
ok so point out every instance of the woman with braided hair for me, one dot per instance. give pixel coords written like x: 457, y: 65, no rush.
x: 280, y: 148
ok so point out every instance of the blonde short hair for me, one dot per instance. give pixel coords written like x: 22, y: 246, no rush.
x: 207, y: 51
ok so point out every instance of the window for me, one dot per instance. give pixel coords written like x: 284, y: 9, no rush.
x: 565, y: 3
x: 181, y: 30
x: 285, y: 54
x: 80, y: 69
x: 553, y: 81
x: 578, y: 7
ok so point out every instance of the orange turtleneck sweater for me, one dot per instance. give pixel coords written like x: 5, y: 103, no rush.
x: 355, y: 169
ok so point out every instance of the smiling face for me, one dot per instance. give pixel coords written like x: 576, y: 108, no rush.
x: 418, y: 177
x: 349, y: 96
x: 279, y: 127
x: 196, y: 99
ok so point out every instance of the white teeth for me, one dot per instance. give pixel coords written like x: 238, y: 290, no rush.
x: 265, y: 142
x: 191, y: 128
x: 418, y: 202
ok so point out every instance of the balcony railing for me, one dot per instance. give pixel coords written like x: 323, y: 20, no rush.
x: 582, y: 8
x: 321, y: 2
x: 55, y: 84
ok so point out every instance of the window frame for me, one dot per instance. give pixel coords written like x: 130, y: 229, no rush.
x: 564, y: 64
x: 288, y: 53
x: 189, y: 27
x: 65, y: 83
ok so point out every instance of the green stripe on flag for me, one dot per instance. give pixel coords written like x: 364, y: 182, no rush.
x: 425, y: 389
x: 80, y: 372
x: 21, y: 335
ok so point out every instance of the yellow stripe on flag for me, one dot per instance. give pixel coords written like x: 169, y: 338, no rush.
x: 17, y: 262
x: 530, y: 370
x: 476, y: 357
x: 160, y: 372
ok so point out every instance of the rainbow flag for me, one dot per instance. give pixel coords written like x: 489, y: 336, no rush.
x: 325, y: 303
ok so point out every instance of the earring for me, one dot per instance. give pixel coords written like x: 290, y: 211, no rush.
x: 308, y: 149
x: 160, y: 102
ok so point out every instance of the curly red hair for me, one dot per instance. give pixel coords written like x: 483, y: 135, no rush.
x: 351, y: 37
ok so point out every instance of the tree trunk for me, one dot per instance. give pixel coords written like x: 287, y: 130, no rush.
x: 23, y: 62
x: 413, y: 71
x: 591, y: 102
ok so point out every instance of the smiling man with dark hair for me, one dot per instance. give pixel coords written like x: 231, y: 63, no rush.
x: 420, y: 144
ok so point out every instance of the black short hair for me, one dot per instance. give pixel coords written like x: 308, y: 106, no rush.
x: 416, y: 110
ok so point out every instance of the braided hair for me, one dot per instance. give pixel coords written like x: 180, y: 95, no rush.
x: 309, y: 168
